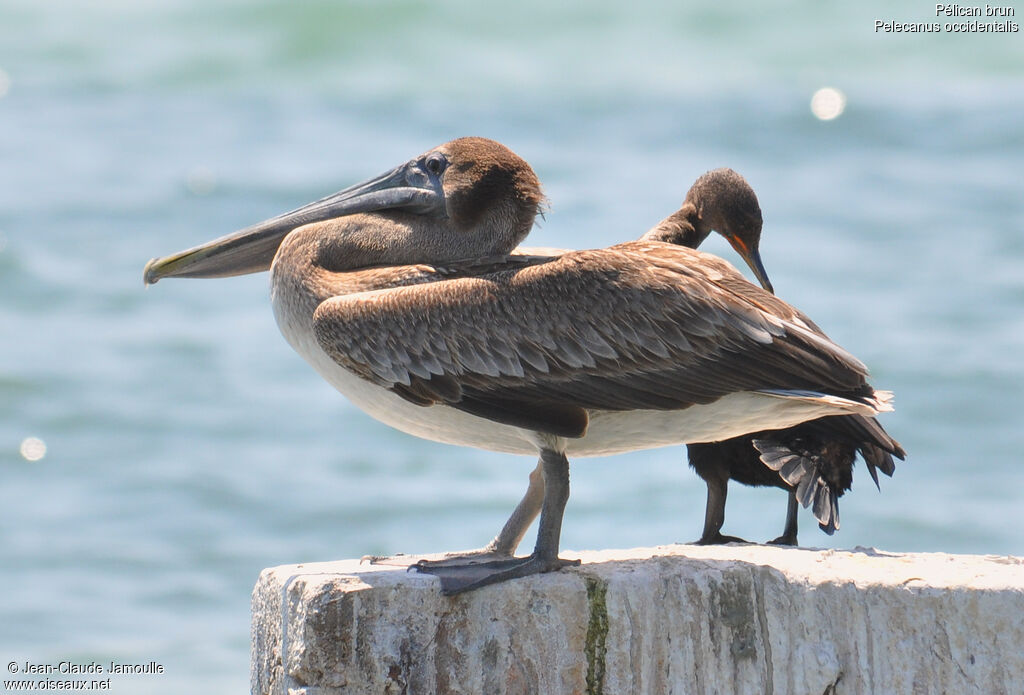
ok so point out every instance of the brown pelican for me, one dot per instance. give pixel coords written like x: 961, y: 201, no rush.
x: 402, y: 293
x: 813, y: 460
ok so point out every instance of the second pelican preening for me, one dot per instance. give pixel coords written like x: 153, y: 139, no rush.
x: 403, y: 293
x: 813, y: 460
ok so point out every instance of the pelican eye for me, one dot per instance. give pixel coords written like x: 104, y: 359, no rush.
x: 436, y: 163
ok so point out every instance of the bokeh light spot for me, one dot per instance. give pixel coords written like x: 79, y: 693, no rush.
x: 33, y: 449
x: 828, y: 103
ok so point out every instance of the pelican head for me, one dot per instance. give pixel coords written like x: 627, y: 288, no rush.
x: 467, y: 198
x: 721, y: 201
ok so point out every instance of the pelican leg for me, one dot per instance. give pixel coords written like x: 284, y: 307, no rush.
x: 714, y: 513
x: 788, y: 536
x: 508, y: 539
x: 465, y: 577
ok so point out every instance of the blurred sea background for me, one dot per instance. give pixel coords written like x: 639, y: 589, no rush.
x: 159, y: 447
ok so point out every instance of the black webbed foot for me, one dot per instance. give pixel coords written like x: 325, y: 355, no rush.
x: 465, y: 558
x: 457, y: 578
x: 717, y: 539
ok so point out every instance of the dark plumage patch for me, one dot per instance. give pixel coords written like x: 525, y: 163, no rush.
x: 813, y: 458
x: 470, y: 204
x: 551, y: 418
x: 804, y: 465
x: 485, y: 176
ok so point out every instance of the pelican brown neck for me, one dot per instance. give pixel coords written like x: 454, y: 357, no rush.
x: 680, y: 228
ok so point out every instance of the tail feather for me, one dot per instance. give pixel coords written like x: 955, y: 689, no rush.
x: 866, y: 431
x: 875, y: 445
x: 805, y: 490
x: 826, y: 508
x: 812, y: 490
x: 877, y: 459
x: 882, y: 400
x: 794, y: 469
x: 867, y: 406
x: 811, y: 456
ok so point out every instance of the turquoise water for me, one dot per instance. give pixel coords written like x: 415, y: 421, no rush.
x: 187, y: 447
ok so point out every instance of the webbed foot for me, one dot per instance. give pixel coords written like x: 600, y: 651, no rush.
x: 396, y: 560
x: 455, y: 559
x: 457, y: 578
x: 465, y: 558
x: 717, y: 539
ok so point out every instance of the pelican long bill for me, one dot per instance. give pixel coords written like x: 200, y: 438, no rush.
x: 412, y: 187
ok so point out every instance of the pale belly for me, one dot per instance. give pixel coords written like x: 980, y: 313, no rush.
x: 609, y: 432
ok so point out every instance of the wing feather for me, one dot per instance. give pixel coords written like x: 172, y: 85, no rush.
x: 637, y: 326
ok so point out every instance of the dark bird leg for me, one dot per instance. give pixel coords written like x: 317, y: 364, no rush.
x: 507, y: 540
x: 788, y: 536
x: 714, y: 513
x: 465, y: 577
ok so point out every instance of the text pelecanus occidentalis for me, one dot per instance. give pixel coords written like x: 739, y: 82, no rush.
x: 402, y: 294
x: 812, y: 460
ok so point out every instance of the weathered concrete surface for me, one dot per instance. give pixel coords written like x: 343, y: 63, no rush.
x: 673, y: 619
